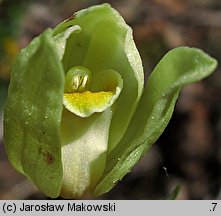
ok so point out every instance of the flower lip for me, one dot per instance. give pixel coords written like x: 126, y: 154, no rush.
x: 83, y: 102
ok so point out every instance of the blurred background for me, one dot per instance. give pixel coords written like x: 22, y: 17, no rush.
x: 188, y: 154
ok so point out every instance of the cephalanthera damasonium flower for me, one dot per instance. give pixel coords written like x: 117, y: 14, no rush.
x: 78, y: 116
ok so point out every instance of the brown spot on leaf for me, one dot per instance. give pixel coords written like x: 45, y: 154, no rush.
x: 48, y: 157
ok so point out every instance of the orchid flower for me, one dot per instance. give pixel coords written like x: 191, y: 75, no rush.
x: 78, y: 116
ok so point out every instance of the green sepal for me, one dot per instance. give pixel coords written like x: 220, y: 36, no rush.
x: 178, y: 67
x: 33, y: 112
x: 99, y: 49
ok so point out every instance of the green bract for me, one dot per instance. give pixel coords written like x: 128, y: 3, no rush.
x: 78, y: 117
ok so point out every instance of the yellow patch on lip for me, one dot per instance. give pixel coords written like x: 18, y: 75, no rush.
x: 85, y: 103
x: 82, y: 102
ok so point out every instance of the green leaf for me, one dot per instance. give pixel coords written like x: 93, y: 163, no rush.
x: 178, y: 67
x: 33, y: 114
